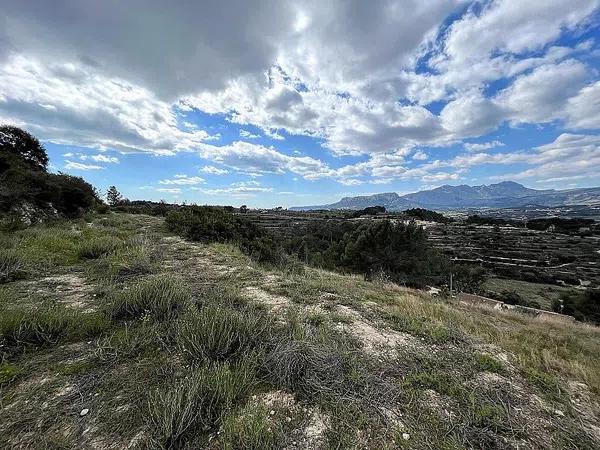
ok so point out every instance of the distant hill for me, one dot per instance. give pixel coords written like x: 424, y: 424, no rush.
x: 506, y: 194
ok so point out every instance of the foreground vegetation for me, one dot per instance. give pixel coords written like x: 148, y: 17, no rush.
x: 115, y: 333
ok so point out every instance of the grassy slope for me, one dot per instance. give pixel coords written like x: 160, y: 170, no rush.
x: 174, y: 344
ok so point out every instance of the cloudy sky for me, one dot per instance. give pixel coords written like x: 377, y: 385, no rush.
x: 275, y: 102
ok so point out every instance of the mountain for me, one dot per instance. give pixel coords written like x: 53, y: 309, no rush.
x: 500, y: 195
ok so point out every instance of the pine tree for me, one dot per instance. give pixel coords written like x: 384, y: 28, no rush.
x: 113, y: 196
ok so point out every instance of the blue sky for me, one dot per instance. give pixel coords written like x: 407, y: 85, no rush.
x: 294, y: 103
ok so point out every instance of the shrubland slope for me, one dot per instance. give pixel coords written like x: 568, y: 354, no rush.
x: 115, y: 333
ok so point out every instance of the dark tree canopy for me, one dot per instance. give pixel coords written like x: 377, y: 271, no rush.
x: 22, y: 144
x: 113, y: 196
x: 24, y: 180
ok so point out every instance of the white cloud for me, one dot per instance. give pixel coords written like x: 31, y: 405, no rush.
x: 214, y: 170
x: 239, y: 188
x: 482, y: 146
x: 88, y: 109
x: 72, y: 165
x: 253, y: 158
x: 541, y: 96
x: 342, y: 72
x: 183, y: 180
x: 420, y: 155
x: 101, y: 158
x: 583, y: 109
x: 169, y: 190
x: 247, y: 135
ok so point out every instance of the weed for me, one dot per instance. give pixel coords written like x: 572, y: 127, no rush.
x: 161, y: 297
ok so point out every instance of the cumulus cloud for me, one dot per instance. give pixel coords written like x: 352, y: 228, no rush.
x: 72, y: 105
x: 359, y: 77
x: 214, y: 170
x: 253, y: 158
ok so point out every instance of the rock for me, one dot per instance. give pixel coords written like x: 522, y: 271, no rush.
x: 558, y: 412
x: 84, y: 412
x: 405, y: 436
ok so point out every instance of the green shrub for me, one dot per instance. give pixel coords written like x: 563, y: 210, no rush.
x: 217, y: 333
x: 249, y: 429
x: 161, y: 297
x: 97, y: 246
x: 196, y: 403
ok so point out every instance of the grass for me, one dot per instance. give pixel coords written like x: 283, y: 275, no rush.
x: 196, y: 403
x: 488, y: 363
x: 21, y: 328
x: 218, y: 333
x: 12, y: 266
x: 9, y: 372
x: 250, y: 429
x: 184, y: 354
x: 97, y: 246
x: 159, y: 297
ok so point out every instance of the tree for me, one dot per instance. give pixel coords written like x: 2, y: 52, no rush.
x: 113, y: 196
x: 22, y: 144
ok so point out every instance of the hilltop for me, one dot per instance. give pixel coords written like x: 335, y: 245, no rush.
x: 506, y: 194
x: 117, y: 333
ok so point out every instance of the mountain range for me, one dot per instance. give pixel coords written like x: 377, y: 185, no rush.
x: 506, y: 194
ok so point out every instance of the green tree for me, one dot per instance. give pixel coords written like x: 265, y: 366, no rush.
x: 113, y: 196
x: 22, y: 144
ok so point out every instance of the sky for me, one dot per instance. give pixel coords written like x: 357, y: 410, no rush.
x: 281, y: 103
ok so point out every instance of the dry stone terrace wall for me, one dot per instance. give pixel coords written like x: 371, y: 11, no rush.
x: 516, y: 253
x: 521, y: 253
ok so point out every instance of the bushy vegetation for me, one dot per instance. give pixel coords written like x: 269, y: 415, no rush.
x: 584, y: 306
x: 484, y: 220
x: 369, y: 211
x: 28, y: 189
x: 395, y: 250
x: 428, y: 215
x: 560, y: 225
x: 12, y: 265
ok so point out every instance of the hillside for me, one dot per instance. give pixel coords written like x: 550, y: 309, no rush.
x: 506, y: 194
x: 118, y: 334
